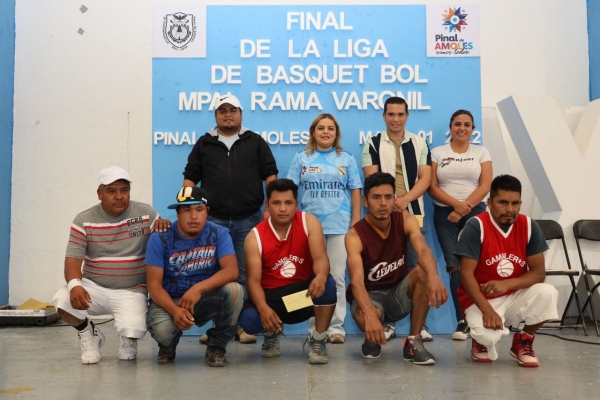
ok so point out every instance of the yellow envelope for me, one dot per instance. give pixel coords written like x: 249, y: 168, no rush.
x: 33, y: 304
x: 297, y: 301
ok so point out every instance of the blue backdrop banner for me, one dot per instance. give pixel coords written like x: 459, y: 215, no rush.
x: 287, y: 64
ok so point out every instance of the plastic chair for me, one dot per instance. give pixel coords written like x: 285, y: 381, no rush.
x: 553, y: 231
x: 588, y: 229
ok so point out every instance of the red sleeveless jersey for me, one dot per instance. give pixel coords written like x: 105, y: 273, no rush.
x: 284, y: 261
x: 384, y: 260
x: 503, y: 255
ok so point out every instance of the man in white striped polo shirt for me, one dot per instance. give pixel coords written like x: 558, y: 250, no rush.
x: 407, y: 158
x: 105, y: 267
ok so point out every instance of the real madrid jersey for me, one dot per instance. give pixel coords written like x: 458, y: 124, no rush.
x: 325, y: 180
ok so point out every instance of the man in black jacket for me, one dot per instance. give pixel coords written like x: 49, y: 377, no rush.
x: 231, y: 162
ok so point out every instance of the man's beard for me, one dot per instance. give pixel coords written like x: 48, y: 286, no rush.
x: 507, y: 225
x: 380, y: 218
x: 230, y: 129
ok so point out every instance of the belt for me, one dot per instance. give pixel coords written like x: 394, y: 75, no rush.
x: 452, y: 269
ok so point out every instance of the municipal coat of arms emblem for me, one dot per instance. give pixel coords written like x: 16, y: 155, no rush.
x: 179, y: 30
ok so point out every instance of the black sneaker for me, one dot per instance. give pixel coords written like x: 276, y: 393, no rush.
x: 370, y: 349
x: 462, y: 331
x: 417, y: 353
x: 318, y: 352
x: 215, y: 356
x: 166, y: 354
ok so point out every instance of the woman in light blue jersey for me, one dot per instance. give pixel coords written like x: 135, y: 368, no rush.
x: 330, y: 185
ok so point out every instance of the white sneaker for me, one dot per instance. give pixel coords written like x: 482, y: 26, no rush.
x: 389, y: 330
x: 90, y: 340
x: 425, y: 335
x: 127, y: 348
x: 462, y: 331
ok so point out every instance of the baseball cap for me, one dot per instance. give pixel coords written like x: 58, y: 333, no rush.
x: 112, y: 174
x: 227, y: 99
x: 188, y: 195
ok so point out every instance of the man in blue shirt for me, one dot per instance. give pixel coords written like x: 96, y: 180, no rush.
x: 191, y: 271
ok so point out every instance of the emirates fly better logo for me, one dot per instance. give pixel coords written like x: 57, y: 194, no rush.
x: 454, y: 19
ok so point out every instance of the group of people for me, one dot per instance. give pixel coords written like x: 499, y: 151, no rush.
x: 226, y: 263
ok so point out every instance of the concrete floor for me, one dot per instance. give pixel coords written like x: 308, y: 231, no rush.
x: 43, y: 363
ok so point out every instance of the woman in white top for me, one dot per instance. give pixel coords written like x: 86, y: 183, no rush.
x: 461, y: 178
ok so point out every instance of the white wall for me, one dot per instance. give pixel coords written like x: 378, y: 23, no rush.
x: 83, y: 102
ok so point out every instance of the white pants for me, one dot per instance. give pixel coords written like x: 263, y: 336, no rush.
x: 533, y: 305
x: 336, y: 251
x: 128, y: 308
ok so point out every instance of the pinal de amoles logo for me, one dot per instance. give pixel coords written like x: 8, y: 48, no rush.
x: 453, y: 42
x: 179, y: 30
x: 454, y: 19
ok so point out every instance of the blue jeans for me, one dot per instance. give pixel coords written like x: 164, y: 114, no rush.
x: 222, y: 304
x: 447, y: 234
x: 239, y: 229
x: 250, y: 317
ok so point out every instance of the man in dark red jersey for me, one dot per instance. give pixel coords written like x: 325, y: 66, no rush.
x: 286, y: 254
x: 381, y: 288
x: 502, y: 273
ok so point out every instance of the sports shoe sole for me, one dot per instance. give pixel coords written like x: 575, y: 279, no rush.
x: 523, y: 363
x: 431, y: 361
x: 371, y: 357
x: 460, y: 336
x: 270, y: 355
x: 166, y: 360
x: 428, y: 362
x: 481, y: 360
x: 127, y: 358
x: 216, y: 364
x: 318, y: 360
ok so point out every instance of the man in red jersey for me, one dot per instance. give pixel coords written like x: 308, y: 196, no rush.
x: 381, y: 288
x: 285, y: 254
x: 502, y: 273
